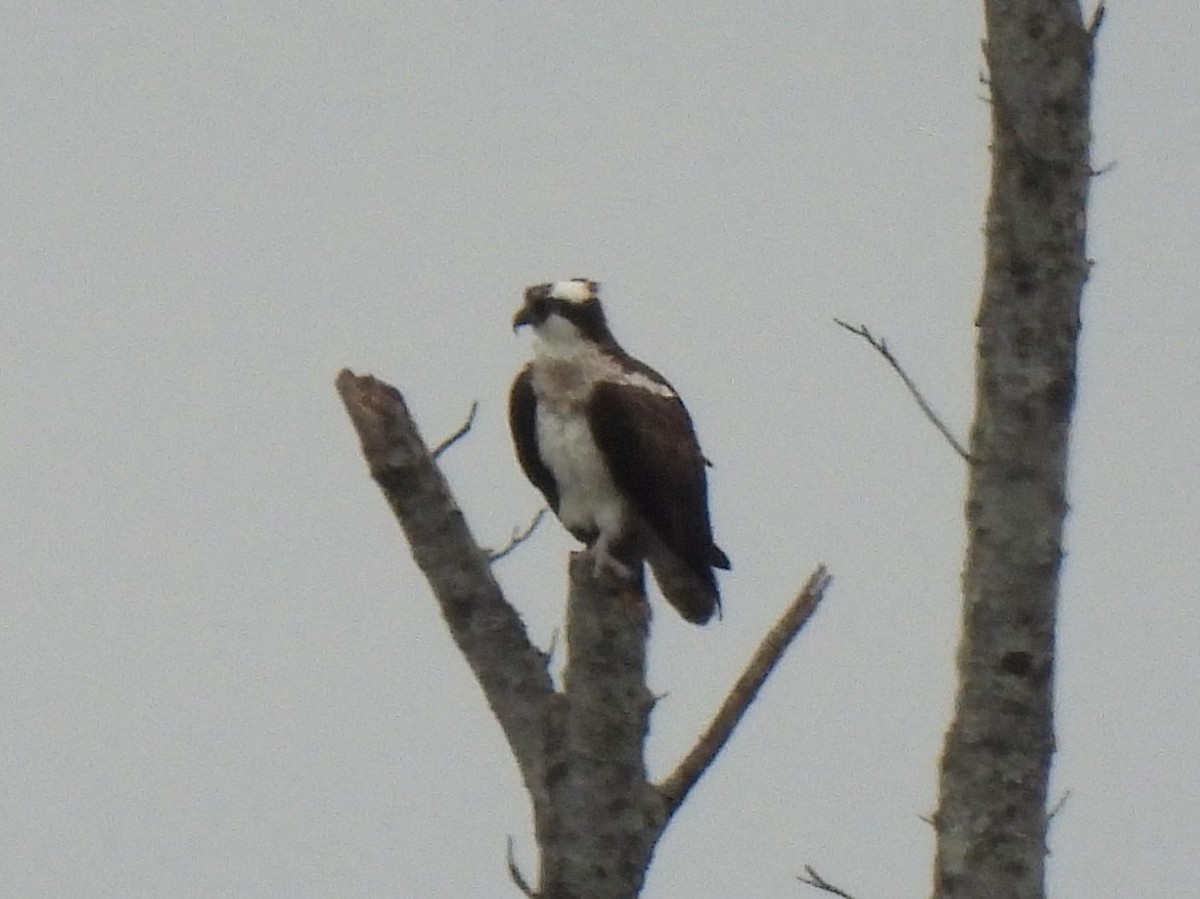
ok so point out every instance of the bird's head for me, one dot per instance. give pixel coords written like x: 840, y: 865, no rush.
x: 564, y: 312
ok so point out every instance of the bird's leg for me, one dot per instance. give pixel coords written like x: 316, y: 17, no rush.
x: 624, y: 579
x: 606, y: 561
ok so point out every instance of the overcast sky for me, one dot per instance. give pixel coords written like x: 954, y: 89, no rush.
x: 221, y: 674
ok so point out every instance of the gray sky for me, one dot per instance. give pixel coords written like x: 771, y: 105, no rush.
x: 220, y: 673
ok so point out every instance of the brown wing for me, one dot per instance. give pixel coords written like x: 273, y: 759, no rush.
x: 522, y: 421
x: 652, y: 453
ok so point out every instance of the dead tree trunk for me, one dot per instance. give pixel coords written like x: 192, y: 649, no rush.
x: 603, y: 817
x: 991, y: 821
x: 580, y: 749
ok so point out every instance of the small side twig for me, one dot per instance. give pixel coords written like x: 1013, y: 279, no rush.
x: 813, y: 879
x: 515, y: 873
x: 1058, y: 806
x: 676, y: 787
x: 518, y: 537
x: 459, y: 434
x: 881, y: 347
x: 1097, y: 20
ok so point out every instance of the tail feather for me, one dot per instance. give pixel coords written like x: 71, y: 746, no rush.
x: 693, y: 593
x: 718, y: 559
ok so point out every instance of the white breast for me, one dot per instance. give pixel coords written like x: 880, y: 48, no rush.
x: 588, y: 498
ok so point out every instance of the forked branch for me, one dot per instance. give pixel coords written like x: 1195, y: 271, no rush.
x: 813, y: 879
x: 518, y: 537
x: 580, y: 748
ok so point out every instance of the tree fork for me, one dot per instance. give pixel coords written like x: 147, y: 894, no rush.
x: 580, y: 749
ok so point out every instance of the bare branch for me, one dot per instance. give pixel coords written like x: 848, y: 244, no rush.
x: 518, y: 537
x: 882, y: 348
x: 460, y: 433
x: 515, y: 873
x: 813, y: 879
x: 485, y: 627
x: 1096, y: 21
x: 676, y: 787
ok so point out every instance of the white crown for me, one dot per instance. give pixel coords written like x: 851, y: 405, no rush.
x: 577, y: 291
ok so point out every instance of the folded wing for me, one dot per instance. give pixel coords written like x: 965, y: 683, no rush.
x: 650, y: 446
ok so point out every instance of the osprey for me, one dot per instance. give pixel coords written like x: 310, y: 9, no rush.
x: 608, y: 442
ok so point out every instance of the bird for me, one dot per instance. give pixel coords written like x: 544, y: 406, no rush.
x: 610, y: 445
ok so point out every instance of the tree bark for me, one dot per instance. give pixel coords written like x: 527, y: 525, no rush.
x: 604, y: 817
x: 991, y: 820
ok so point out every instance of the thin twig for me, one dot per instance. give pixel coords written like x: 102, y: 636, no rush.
x: 459, y: 434
x: 1097, y: 20
x: 882, y: 348
x: 518, y: 537
x: 813, y: 879
x: 515, y: 873
x: 1058, y: 806
x: 676, y: 787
